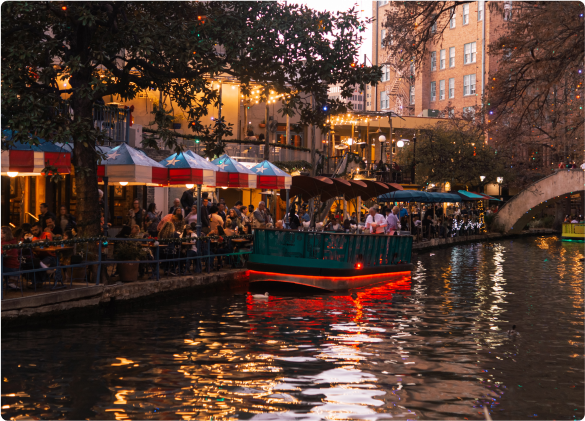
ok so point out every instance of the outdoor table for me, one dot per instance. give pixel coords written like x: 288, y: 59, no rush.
x: 56, y: 250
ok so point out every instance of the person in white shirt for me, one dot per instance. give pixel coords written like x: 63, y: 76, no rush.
x: 375, y: 222
x: 392, y: 221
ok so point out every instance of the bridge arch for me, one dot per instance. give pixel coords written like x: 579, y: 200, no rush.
x: 519, y: 210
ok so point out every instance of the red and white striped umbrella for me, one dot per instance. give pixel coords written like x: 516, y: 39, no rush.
x: 129, y: 166
x: 233, y: 174
x: 189, y: 168
x: 29, y: 160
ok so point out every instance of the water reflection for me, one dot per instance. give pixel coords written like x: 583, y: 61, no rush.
x: 432, y: 346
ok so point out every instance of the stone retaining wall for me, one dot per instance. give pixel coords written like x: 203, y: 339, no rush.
x: 92, y: 296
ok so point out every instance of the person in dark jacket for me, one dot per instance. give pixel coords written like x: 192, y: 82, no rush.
x: 187, y: 200
x: 204, y: 215
x: 293, y: 219
x: 65, y: 220
x: 44, y: 214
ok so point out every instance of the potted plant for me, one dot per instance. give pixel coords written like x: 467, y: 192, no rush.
x: 262, y: 124
x: 132, y: 252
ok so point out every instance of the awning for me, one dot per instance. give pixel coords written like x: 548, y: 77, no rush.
x: 406, y: 196
x: 307, y: 187
x: 339, y: 188
x: 22, y: 159
x: 444, y: 197
x: 468, y: 196
x: 189, y: 168
x: 269, y: 176
x: 487, y: 197
x: 233, y: 174
x: 129, y: 166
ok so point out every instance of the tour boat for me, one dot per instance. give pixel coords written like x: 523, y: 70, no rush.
x: 328, y: 260
x: 573, y: 232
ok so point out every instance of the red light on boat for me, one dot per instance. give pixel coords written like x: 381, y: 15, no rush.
x: 358, y: 265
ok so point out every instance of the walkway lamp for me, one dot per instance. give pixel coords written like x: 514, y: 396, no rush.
x: 382, y: 139
x: 481, y: 178
x: 500, y: 180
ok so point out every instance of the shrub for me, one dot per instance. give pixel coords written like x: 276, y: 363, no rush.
x: 129, y: 250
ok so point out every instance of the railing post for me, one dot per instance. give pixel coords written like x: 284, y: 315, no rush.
x: 2, y: 276
x: 157, y: 263
x: 99, y: 268
x: 127, y: 140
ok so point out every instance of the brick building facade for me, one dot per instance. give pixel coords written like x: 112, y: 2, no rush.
x: 451, y: 75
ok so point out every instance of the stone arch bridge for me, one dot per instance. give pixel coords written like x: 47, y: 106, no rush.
x: 519, y: 210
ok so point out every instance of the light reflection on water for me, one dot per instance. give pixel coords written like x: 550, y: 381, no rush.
x: 428, y: 347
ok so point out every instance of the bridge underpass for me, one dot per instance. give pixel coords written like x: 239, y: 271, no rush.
x: 553, y: 189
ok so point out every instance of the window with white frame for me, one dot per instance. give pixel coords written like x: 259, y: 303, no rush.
x: 433, y: 61
x: 382, y: 3
x: 412, y: 95
x: 452, y: 87
x: 434, y: 27
x: 453, y: 18
x: 480, y: 10
x: 469, y: 85
x: 385, y: 73
x: 433, y: 91
x: 451, y: 113
x: 384, y: 101
x: 465, y: 14
x: 469, y: 53
x: 442, y: 89
x: 442, y: 59
x: 382, y: 36
x: 452, y: 57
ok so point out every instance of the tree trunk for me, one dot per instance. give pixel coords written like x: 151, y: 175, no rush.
x: 85, y: 164
x: 267, y: 140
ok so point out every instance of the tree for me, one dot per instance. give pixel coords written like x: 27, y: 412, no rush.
x: 533, y: 101
x: 455, y: 152
x: 83, y: 51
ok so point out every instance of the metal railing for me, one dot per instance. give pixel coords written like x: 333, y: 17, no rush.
x: 369, y: 249
x: 171, y: 256
x: 255, y: 153
x: 114, y: 120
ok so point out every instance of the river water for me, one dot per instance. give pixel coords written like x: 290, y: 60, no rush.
x: 428, y: 347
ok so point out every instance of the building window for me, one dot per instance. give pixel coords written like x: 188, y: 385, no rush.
x: 385, y: 73
x: 434, y: 27
x: 469, y: 85
x: 442, y: 59
x: 452, y: 57
x: 480, y: 10
x: 465, y: 14
x: 507, y: 10
x: 453, y: 19
x: 451, y: 113
x: 433, y: 91
x: 452, y: 87
x: 442, y: 89
x: 382, y: 36
x: 382, y: 3
x: 433, y: 61
x: 469, y: 53
x: 412, y: 95
x: 384, y: 101
x: 469, y: 112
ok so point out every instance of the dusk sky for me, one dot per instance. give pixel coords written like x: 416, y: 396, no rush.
x: 365, y: 11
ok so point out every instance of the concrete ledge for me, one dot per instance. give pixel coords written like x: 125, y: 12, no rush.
x: 490, y: 236
x: 66, y: 300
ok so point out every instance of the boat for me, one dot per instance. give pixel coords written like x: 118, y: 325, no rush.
x: 328, y: 260
x: 573, y: 232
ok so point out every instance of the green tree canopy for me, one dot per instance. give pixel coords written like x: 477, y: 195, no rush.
x: 121, y: 48
x: 454, y: 151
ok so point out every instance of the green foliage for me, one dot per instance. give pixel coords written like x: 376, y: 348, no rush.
x: 456, y: 152
x: 290, y: 166
x: 488, y: 219
x: 129, y: 250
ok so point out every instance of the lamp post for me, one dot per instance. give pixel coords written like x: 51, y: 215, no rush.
x: 400, y: 144
x: 500, y: 180
x: 481, y: 178
x: 382, y: 139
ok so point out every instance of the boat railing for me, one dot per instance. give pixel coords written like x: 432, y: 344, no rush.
x: 367, y: 249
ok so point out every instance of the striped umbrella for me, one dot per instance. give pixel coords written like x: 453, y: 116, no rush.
x: 233, y: 174
x: 189, y: 168
x: 271, y: 177
x: 129, y: 166
x: 22, y: 159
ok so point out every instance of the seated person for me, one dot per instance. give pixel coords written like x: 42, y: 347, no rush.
x: 47, y: 258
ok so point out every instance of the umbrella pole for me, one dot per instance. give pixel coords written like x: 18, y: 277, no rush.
x: 106, y: 207
x: 410, y: 212
x: 198, y: 210
x: 358, y: 211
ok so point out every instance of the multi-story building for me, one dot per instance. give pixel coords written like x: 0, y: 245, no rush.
x: 453, y: 75
x: 357, y: 98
